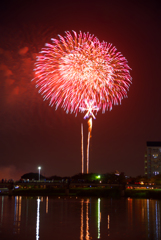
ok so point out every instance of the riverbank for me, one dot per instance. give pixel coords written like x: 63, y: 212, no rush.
x: 146, y: 193
x: 84, y: 192
x: 89, y: 192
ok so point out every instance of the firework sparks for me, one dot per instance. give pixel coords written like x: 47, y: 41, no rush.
x: 90, y: 126
x: 88, y: 142
x: 80, y: 73
x: 89, y: 108
x: 82, y: 149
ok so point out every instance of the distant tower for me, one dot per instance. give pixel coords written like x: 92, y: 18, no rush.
x: 152, y: 162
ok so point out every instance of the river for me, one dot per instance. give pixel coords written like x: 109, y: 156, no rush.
x: 76, y: 218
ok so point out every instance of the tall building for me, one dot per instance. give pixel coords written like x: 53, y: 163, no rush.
x: 153, y: 159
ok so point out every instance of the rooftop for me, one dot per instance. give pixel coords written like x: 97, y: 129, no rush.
x: 153, y: 144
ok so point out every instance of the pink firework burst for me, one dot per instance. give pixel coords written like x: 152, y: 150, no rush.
x: 77, y: 71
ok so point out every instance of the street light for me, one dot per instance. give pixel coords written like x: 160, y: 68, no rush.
x: 39, y: 172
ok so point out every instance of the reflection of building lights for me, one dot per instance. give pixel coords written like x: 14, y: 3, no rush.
x: 108, y: 224
x: 142, y: 213
x: 47, y: 204
x: 99, y: 217
x: 148, y: 213
x: 157, y: 219
x: 2, y: 210
x: 38, y: 219
x: 130, y: 210
x: 17, y: 213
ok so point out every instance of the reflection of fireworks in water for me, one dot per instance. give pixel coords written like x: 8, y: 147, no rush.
x: 79, y: 73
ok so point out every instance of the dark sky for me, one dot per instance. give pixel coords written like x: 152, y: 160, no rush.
x: 33, y: 134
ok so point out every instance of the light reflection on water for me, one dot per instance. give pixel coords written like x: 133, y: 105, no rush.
x: 38, y: 219
x: 2, y: 210
x: 99, y: 218
x: 87, y: 221
x: 108, y: 224
x: 17, y: 214
x: 79, y: 218
x: 81, y: 228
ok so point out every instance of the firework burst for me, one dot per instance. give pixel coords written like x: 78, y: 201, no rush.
x: 80, y: 73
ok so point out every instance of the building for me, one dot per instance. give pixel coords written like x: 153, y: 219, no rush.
x: 153, y: 159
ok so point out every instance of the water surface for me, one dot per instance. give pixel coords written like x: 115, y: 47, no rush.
x: 59, y: 218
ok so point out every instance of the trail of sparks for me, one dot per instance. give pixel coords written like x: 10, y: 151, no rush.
x: 88, y: 141
x: 82, y: 149
x: 90, y: 126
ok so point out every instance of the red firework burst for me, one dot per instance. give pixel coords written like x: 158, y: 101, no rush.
x: 80, y: 73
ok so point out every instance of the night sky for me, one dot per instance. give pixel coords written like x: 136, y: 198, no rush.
x: 33, y: 134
